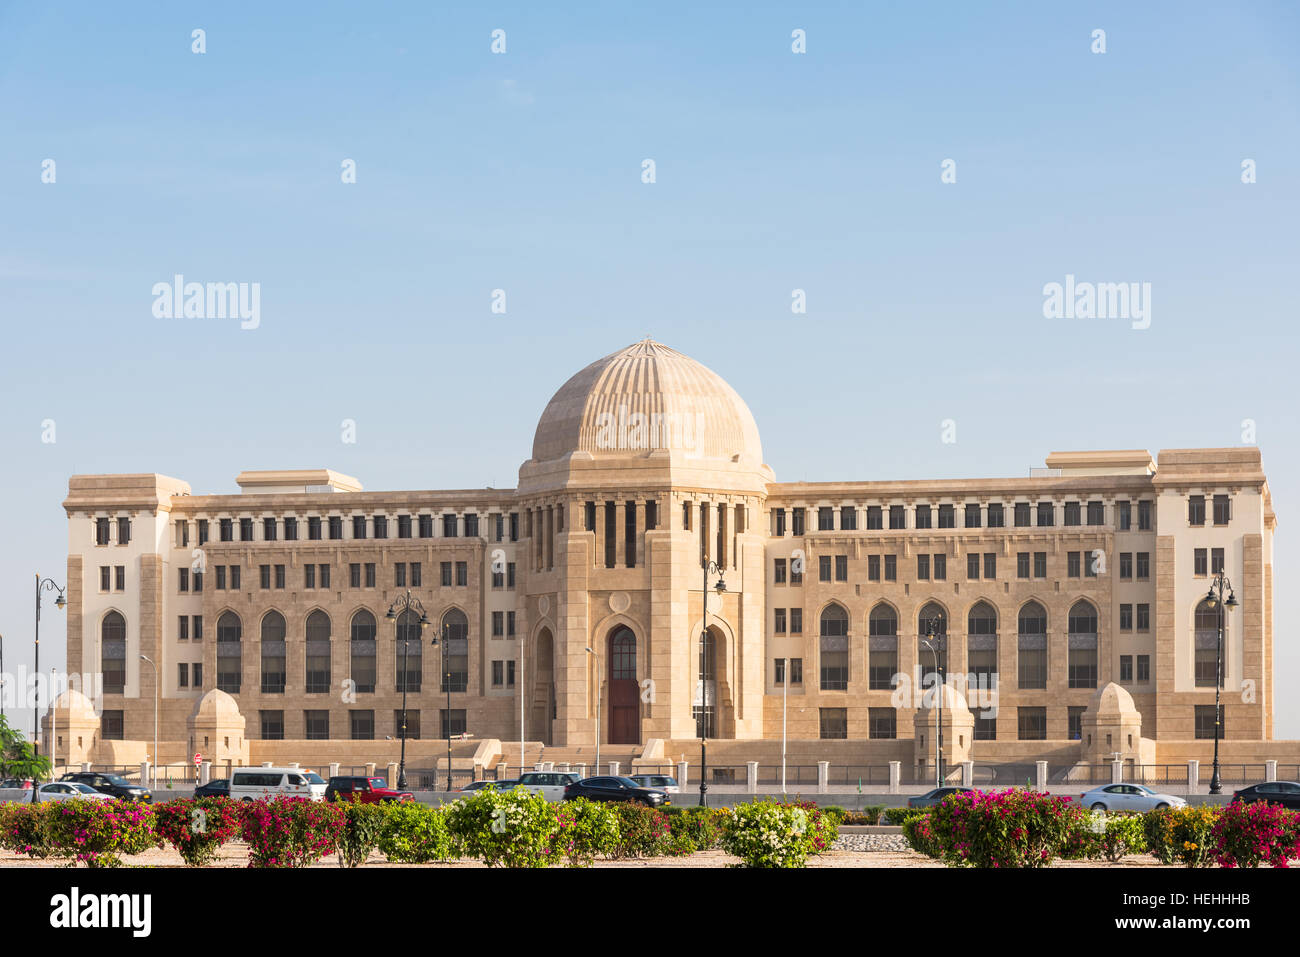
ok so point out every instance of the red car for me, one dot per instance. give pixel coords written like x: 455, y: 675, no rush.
x: 366, y: 790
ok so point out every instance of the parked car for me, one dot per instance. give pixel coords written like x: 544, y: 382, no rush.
x: 217, y: 787
x: 1128, y: 797
x: 16, y: 783
x: 550, y: 784
x: 68, y: 791
x: 615, y: 789
x: 252, y: 784
x: 1285, y: 793
x: 660, y: 782
x: 112, y: 784
x: 936, y: 795
x: 474, y: 786
x: 365, y: 790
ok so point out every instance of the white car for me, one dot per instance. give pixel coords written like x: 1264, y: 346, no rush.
x: 549, y: 784
x: 661, y: 782
x: 253, y: 784
x: 1128, y: 797
x: 69, y: 791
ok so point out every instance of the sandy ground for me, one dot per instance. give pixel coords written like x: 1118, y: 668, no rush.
x: 236, y: 855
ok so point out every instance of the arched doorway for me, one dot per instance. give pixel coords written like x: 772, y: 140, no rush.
x: 543, y: 692
x: 624, y: 699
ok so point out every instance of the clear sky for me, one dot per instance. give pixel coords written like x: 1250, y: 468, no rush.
x: 522, y: 171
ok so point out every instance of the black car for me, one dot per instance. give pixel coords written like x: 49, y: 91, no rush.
x: 216, y: 788
x: 614, y: 789
x: 935, y: 796
x: 1285, y: 793
x: 112, y: 784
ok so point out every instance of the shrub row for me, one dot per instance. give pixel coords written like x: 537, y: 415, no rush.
x: 501, y: 828
x: 1021, y: 828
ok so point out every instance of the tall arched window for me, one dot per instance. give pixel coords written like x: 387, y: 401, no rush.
x: 982, y: 644
x: 932, y: 640
x: 834, y: 649
x: 318, y: 653
x: 363, y: 651
x: 1206, y: 645
x: 1031, y: 647
x: 455, y: 636
x: 410, y: 652
x: 230, y: 657
x: 1082, y: 647
x: 112, y: 649
x: 273, y: 653
x: 882, y: 651
x: 622, y: 655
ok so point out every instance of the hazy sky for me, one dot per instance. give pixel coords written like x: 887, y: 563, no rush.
x: 522, y: 171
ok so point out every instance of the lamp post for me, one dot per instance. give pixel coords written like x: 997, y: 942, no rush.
x: 1216, y: 600
x: 446, y: 684
x: 933, y: 628
x: 42, y: 584
x: 155, y: 718
x: 785, y: 698
x: 597, y: 657
x: 3, y: 677
x: 396, y: 611
x: 721, y: 587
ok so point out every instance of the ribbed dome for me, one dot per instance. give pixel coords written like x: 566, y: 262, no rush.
x: 644, y: 398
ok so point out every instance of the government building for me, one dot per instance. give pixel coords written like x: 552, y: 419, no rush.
x: 1066, y: 608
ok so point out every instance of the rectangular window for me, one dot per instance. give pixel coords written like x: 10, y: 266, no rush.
x: 324, y: 575
x: 183, y: 631
x: 313, y: 528
x: 947, y: 517
x: 1074, y: 717
x: 825, y: 519
x: 1196, y: 510
x: 412, y: 718
x: 1046, y: 515
x: 875, y: 518
x: 471, y: 525
x: 1022, y: 564
x: 449, y: 526
x: 498, y: 527
x: 426, y: 526
x: 1143, y: 617
x: 354, y: 575
x: 1022, y: 514
x: 198, y: 582
x: 498, y: 674
x: 779, y: 522
x: 873, y: 568
x: 381, y: 528
x: 182, y: 575
x: 268, y: 529
x: 940, y: 567
x: 882, y: 724
x: 1144, y: 668
x: 1072, y: 565
x: 514, y: 526
x: 110, y: 724
x: 834, y: 722
x: 778, y: 571
x: 891, y: 568
x: 922, y: 516
x: 990, y: 565
x: 1144, y: 516
x: 246, y: 530
x: 510, y: 624
x: 823, y: 568
x: 986, y: 729
x: 316, y: 725
x: 221, y: 578
x: 197, y: 671
x: 182, y: 533
x: 973, y: 566
x: 780, y: 671
x: 363, y: 723
x: 1206, y: 665
x: 272, y: 725
x: 444, y: 569
x: 1126, y: 617
x: 1222, y: 510
x: 796, y: 621
x: 124, y: 531
x: 1143, y: 565
x: 203, y: 531
x: 308, y: 576
x: 972, y: 515
x: 290, y: 529
x: 1096, y: 513
x: 923, y: 567
x: 416, y: 575
x: 1040, y: 564
x: 510, y: 574
x: 399, y: 575
x: 779, y: 622
x: 119, y: 577
x: 265, y: 575
x: 358, y: 526
x: 182, y: 675
x: 1125, y: 566
x: 1205, y: 723
x: 1124, y: 516
x: 897, y: 516
x: 996, y: 517
x: 462, y: 573
x: 498, y: 624
x: 1073, y: 513
x: 1126, y: 668
x: 848, y: 518
x: 841, y: 568
x: 279, y: 576
x: 453, y: 723
x: 1200, y: 561
x: 1031, y: 724
x: 234, y: 578
x: 796, y: 671
x: 336, y: 526
x: 1216, y: 561
x: 226, y: 530
x: 370, y: 574
x: 404, y: 526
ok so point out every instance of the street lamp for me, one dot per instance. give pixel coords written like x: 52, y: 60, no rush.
x: 1214, y: 598
x: 721, y: 587
x: 446, y: 684
x: 155, y: 718
x: 933, y: 631
x: 396, y: 611
x: 42, y: 584
x: 785, y: 698
x: 590, y: 652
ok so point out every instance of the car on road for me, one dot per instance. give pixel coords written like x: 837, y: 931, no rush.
x: 550, y: 784
x: 363, y: 789
x: 476, y: 786
x: 615, y: 789
x: 660, y: 782
x: 69, y: 791
x: 21, y: 784
x: 1285, y: 793
x: 936, y: 795
x: 253, y: 784
x: 1128, y: 797
x: 112, y: 784
x: 217, y: 787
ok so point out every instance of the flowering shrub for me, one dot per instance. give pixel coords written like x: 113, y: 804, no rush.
x: 585, y: 829
x: 290, y: 832
x: 1012, y: 828
x: 692, y: 829
x: 1124, y: 834
x: 23, y: 829
x: 414, y: 833
x: 916, y: 829
x: 766, y: 834
x: 823, y: 827
x: 643, y: 831
x: 95, y: 832
x: 1248, y: 835
x: 1181, y: 835
x: 511, y: 828
x: 197, y: 827
x: 359, y: 834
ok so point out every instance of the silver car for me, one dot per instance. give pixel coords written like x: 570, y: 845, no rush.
x: 1128, y: 797
x: 69, y: 791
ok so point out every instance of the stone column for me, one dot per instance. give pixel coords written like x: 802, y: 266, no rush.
x: 1117, y: 772
x: 613, y: 769
x: 895, y: 776
x: 1193, y: 773
x: 392, y: 774
x: 205, y: 772
x: 683, y: 772
x: 1270, y: 770
x: 967, y: 773
x: 751, y: 776
x: 823, y: 776
x: 334, y: 769
x: 1040, y: 775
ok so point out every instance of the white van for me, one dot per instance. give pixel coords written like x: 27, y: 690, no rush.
x: 251, y: 784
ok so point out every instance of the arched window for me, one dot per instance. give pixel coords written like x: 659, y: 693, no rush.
x: 410, y: 652
x: 834, y: 648
x: 1031, y: 647
x: 882, y: 651
x: 363, y: 651
x: 1206, y: 644
x: 273, y: 653
x: 932, y: 640
x: 455, y: 650
x: 1082, y: 646
x: 622, y: 655
x: 982, y: 644
x: 230, y: 658
x: 112, y: 648
x: 318, y: 653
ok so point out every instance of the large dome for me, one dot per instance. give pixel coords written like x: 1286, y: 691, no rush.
x: 648, y: 399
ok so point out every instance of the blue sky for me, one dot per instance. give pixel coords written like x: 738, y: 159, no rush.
x: 522, y: 172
